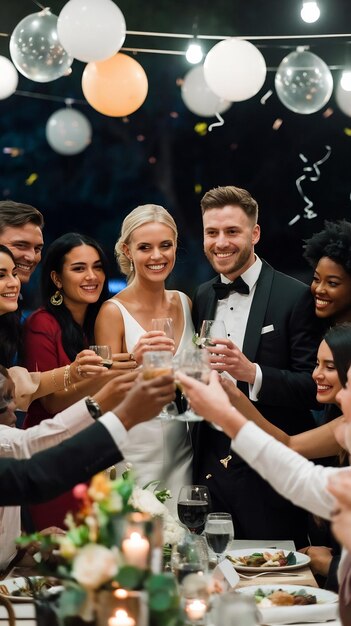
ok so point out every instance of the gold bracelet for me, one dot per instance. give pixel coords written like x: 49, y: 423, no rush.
x: 54, y: 379
x: 66, y: 378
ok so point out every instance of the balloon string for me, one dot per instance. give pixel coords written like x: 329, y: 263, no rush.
x: 41, y: 6
x: 313, y: 174
x: 219, y: 123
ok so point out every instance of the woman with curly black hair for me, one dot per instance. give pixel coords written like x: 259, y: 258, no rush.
x: 329, y: 253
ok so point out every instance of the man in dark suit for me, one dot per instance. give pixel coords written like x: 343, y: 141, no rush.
x: 270, y: 350
x: 50, y: 473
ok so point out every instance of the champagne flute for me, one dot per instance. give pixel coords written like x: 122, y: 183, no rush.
x: 194, y: 503
x: 106, y: 354
x: 219, y: 531
x: 166, y: 325
x: 157, y: 363
x: 211, y: 329
x: 194, y: 363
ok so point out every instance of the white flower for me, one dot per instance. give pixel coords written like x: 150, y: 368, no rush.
x: 146, y: 502
x: 172, y: 531
x: 94, y: 566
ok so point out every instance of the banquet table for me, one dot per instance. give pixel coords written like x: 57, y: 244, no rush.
x: 25, y: 611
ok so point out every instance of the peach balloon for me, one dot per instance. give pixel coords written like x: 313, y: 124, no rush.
x: 116, y: 87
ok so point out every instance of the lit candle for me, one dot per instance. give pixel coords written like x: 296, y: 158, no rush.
x: 121, y: 618
x: 136, y: 550
x: 195, y: 609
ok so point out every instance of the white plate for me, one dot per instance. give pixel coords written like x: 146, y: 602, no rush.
x: 325, y: 609
x: 13, y: 584
x: 301, y: 560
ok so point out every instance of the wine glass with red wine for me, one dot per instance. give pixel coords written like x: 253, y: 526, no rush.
x: 219, y: 532
x: 194, y: 503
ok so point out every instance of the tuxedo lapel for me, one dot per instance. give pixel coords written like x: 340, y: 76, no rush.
x: 258, y: 311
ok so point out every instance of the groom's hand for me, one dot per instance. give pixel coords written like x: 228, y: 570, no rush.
x: 226, y: 356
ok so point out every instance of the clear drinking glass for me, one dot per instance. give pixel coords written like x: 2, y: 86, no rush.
x: 233, y: 608
x: 194, y: 504
x: 189, y: 556
x: 211, y: 329
x: 165, y: 324
x: 158, y: 363
x: 194, y: 363
x: 219, y: 532
x: 106, y: 354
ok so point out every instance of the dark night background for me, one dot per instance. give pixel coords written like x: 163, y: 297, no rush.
x: 93, y: 191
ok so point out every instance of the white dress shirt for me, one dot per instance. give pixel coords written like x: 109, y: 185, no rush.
x: 22, y: 444
x: 234, y: 312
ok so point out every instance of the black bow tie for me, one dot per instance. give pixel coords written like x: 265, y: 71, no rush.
x: 223, y: 289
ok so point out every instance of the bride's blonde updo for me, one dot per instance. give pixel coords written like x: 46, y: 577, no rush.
x: 138, y: 217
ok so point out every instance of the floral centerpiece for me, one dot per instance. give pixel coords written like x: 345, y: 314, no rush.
x: 92, y: 556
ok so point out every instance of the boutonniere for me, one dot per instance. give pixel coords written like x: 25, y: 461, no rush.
x: 198, y: 341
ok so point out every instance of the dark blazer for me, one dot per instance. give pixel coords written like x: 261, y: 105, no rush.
x: 287, y: 356
x: 53, y: 471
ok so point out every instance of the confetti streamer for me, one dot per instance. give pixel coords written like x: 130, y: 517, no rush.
x: 313, y: 174
x: 266, y: 96
x: 219, y: 123
x: 31, y: 179
x: 201, y: 128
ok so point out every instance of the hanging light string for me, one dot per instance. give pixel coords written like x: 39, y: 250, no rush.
x: 247, y: 37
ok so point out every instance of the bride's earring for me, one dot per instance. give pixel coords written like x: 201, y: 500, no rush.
x: 131, y: 266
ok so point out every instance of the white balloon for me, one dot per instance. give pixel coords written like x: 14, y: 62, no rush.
x: 343, y: 100
x: 91, y: 30
x: 68, y: 131
x: 198, y: 97
x: 235, y: 69
x: 36, y: 50
x: 303, y: 82
x: 8, y: 78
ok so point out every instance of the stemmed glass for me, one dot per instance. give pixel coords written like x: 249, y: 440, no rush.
x: 211, y: 329
x: 106, y: 354
x: 219, y: 531
x: 157, y: 363
x: 194, y: 503
x: 166, y: 325
x: 194, y: 363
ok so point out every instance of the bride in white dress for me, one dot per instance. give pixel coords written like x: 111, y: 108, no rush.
x: 146, y: 253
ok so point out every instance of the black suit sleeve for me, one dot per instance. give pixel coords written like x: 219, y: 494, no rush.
x: 53, y: 471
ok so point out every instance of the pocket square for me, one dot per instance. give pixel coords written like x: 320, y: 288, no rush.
x: 267, y: 329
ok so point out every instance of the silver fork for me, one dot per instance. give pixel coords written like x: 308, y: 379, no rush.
x: 267, y: 574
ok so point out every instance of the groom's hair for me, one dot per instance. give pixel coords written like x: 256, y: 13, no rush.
x: 220, y: 197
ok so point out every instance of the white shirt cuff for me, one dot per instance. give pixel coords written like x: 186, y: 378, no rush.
x: 114, y: 427
x: 243, y: 446
x: 255, y: 389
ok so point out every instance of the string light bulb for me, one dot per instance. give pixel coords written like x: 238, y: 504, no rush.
x: 310, y: 11
x: 194, y: 53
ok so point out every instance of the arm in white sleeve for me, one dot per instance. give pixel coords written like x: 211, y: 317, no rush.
x: 255, y: 389
x: 116, y: 429
x: 290, y: 474
x: 22, y: 444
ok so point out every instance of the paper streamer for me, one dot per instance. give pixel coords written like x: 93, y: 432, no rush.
x: 219, y: 123
x: 312, y: 173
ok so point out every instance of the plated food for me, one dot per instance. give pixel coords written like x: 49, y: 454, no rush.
x: 286, y: 604
x: 23, y: 588
x: 261, y: 560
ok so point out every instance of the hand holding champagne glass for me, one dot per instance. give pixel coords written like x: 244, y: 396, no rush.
x: 165, y: 324
x: 194, y: 363
x: 106, y: 354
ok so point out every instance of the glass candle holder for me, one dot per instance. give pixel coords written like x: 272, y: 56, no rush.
x: 122, y: 607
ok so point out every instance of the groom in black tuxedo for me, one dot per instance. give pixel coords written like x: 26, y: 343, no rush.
x: 270, y: 349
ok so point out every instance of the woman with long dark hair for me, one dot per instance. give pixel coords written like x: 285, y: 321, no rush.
x: 73, y: 286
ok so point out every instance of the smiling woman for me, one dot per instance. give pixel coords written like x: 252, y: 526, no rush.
x: 73, y: 287
x: 329, y: 253
x: 146, y: 253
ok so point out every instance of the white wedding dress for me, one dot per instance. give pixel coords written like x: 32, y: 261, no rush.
x: 159, y: 450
